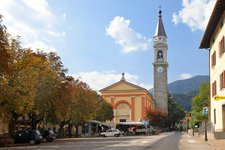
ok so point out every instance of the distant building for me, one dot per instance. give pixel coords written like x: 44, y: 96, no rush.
x: 214, y: 41
x: 160, y: 65
x: 129, y: 101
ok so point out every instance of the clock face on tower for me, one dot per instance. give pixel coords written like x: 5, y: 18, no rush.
x: 160, y: 69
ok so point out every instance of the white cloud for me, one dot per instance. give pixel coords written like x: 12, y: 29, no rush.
x: 41, y: 46
x: 99, y: 80
x: 194, y: 13
x: 125, y: 36
x: 56, y: 34
x: 185, y: 76
x: 64, y: 16
x: 33, y: 21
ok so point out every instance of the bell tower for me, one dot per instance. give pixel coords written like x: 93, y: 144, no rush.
x: 160, y: 66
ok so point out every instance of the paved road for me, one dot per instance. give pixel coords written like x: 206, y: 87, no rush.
x: 165, y: 141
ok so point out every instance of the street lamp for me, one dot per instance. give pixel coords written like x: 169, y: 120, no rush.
x: 193, y: 126
x: 205, y: 113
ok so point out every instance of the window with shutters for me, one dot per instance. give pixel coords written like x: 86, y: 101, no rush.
x: 214, y: 88
x: 221, y: 47
x: 213, y: 59
x: 222, y: 80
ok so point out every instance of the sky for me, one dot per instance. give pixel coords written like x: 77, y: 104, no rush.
x: 98, y: 40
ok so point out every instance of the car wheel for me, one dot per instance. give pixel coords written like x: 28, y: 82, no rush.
x: 32, y: 142
x: 103, y: 135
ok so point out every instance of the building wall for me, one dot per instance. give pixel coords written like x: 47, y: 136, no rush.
x: 215, y: 72
x: 137, y: 101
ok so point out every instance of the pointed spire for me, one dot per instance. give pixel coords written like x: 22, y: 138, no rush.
x: 123, y: 78
x: 160, y: 31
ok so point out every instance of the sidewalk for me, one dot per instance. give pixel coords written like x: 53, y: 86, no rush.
x: 218, y: 144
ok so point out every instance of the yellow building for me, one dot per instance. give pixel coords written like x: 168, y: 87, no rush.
x: 214, y: 41
x: 129, y: 101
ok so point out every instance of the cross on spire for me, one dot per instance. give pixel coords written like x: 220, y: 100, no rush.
x: 160, y: 11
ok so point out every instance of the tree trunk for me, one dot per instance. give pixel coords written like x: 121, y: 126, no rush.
x: 12, y: 126
x: 61, y: 131
x: 70, y: 130
x: 34, y: 121
x: 76, y: 134
x: 33, y: 125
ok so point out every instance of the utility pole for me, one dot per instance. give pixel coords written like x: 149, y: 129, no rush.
x: 205, y: 113
x: 206, y: 139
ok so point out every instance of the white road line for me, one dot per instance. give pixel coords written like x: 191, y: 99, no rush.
x: 144, y: 142
x: 191, y: 141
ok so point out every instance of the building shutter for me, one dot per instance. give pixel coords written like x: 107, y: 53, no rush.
x: 219, y: 48
x: 223, y: 79
x: 223, y: 45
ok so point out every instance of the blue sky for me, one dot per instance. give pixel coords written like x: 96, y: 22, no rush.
x: 97, y: 40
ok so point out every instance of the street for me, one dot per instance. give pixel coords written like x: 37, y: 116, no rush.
x: 164, y: 141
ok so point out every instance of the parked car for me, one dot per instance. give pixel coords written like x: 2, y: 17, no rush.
x: 48, y: 136
x: 28, y: 136
x: 111, y: 132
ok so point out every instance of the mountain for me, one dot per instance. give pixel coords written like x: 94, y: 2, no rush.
x: 182, y: 91
x: 187, y: 85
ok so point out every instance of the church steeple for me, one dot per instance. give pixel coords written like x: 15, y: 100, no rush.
x: 160, y: 66
x: 160, y: 31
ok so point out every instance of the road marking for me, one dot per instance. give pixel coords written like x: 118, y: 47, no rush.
x: 144, y: 142
x: 191, y: 141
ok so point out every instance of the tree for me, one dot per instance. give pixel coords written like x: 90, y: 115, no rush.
x: 156, y: 117
x: 198, y: 102
x: 75, y: 105
x: 5, y: 58
x: 175, y: 112
x: 82, y: 108
x: 19, y: 95
x: 104, y: 111
x: 50, y: 79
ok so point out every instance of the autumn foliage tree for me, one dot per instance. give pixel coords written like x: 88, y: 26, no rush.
x: 5, y: 58
x: 34, y: 84
x: 156, y: 117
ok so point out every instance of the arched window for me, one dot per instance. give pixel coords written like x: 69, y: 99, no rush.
x: 160, y: 55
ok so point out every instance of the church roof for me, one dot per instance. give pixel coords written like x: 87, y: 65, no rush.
x: 160, y: 31
x: 212, y: 24
x: 123, y: 81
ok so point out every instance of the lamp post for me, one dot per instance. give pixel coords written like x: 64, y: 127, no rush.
x: 205, y: 113
x: 193, y: 126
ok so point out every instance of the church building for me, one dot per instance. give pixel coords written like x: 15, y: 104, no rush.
x: 128, y: 100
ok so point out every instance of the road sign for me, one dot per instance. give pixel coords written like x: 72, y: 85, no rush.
x: 218, y: 98
x: 205, y: 111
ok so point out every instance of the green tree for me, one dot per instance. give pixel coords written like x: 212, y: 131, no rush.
x: 175, y: 112
x: 198, y: 102
x: 104, y: 111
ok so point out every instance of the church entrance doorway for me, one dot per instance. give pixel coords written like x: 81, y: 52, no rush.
x: 123, y: 112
